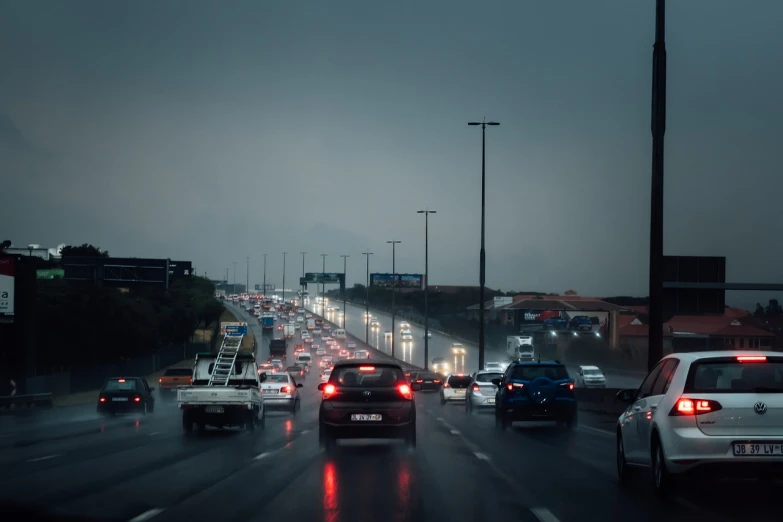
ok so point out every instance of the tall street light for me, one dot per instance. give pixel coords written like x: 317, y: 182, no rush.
x: 264, y: 276
x: 345, y: 269
x: 393, y: 243
x: 284, y: 254
x: 323, y: 287
x: 247, y: 274
x: 303, y: 274
x: 658, y: 124
x: 367, y: 301
x: 481, y: 255
x: 426, y: 285
x: 234, y: 291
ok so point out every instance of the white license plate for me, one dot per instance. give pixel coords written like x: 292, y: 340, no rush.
x: 490, y: 401
x: 119, y: 399
x: 270, y: 391
x: 363, y: 417
x: 460, y: 392
x: 214, y: 409
x: 758, y: 450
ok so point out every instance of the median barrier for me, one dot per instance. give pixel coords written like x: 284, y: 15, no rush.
x: 600, y: 400
x: 25, y: 402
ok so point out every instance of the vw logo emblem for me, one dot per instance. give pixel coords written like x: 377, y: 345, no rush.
x: 367, y: 394
x: 760, y: 408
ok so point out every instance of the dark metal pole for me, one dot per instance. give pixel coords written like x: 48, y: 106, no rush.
x: 284, y: 253
x: 367, y: 301
x: 394, y: 290
x: 247, y: 274
x: 482, y: 266
x: 264, y: 276
x: 345, y: 269
x: 323, y: 287
x: 426, y: 284
x: 303, y: 287
x: 658, y: 124
x: 234, y: 291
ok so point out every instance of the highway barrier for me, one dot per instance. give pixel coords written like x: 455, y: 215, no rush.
x: 600, y: 400
x: 25, y: 402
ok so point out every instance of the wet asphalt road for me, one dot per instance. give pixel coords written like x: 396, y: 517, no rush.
x: 464, y: 469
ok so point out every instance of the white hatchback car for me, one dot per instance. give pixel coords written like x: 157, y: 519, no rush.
x: 719, y: 413
x: 455, y: 388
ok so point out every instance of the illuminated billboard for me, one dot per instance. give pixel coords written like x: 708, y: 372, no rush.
x: 414, y: 281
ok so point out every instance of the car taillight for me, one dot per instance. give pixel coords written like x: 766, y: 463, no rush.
x: 568, y: 385
x: 285, y: 389
x: 446, y: 385
x: 436, y: 380
x: 329, y: 390
x: 102, y: 399
x: 160, y: 380
x: 419, y: 380
x: 137, y: 399
x: 512, y: 385
x: 686, y: 407
x: 476, y: 387
x: 405, y: 391
x: 751, y: 358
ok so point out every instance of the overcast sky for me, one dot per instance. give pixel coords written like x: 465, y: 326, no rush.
x: 212, y: 131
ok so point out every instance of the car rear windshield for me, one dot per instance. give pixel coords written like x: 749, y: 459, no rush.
x: 734, y: 376
x: 367, y: 376
x: 277, y: 378
x: 294, y: 369
x: 528, y: 373
x: 178, y: 372
x: 487, y: 377
x: 427, y: 376
x: 129, y: 385
x: 592, y: 372
x: 455, y: 381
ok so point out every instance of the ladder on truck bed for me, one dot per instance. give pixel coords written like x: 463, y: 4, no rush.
x: 226, y: 359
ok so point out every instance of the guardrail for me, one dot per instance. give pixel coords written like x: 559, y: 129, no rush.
x: 37, y: 400
x: 600, y: 400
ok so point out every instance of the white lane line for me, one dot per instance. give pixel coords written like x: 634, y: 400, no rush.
x: 597, y: 430
x: 47, y: 457
x: 262, y: 455
x: 441, y: 419
x: 154, y: 433
x: 455, y: 432
x: 147, y: 515
x: 544, y: 515
x: 481, y: 456
x: 305, y: 432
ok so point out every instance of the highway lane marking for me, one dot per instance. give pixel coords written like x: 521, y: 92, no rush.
x: 481, y: 456
x: 455, y: 432
x: 544, y: 515
x: 147, y: 515
x: 305, y: 432
x: 47, y: 457
x: 262, y: 455
x: 154, y: 433
x: 597, y: 430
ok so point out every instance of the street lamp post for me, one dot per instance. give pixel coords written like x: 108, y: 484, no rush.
x: 482, y: 265
x: 303, y: 286
x: 264, y: 276
x: 367, y: 301
x: 345, y: 269
x: 284, y: 254
x: 323, y: 287
x: 393, y: 243
x: 234, y: 291
x: 247, y: 274
x: 426, y: 285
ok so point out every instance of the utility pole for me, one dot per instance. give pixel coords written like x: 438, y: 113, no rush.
x: 284, y: 254
x: 234, y: 291
x: 323, y: 287
x: 345, y: 268
x: 247, y: 274
x: 482, y: 265
x: 426, y: 285
x: 394, y: 290
x: 367, y: 301
x: 658, y: 124
x: 264, y: 276
x: 304, y: 286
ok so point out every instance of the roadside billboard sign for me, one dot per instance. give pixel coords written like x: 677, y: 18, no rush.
x: 7, y: 282
x: 415, y: 281
x: 51, y: 273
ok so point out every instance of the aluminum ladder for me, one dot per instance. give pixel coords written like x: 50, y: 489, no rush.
x: 226, y: 359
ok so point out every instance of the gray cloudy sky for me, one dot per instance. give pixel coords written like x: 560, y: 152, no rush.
x: 211, y: 131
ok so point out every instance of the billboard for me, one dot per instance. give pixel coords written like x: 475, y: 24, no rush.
x: 557, y: 320
x: 269, y: 288
x: 7, y: 281
x: 51, y: 273
x: 415, y: 281
x: 332, y: 278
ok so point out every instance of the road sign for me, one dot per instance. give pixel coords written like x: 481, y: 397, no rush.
x: 233, y: 328
x: 328, y: 278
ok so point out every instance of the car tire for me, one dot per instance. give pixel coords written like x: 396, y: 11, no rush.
x: 410, y: 438
x: 250, y: 421
x: 325, y: 440
x: 501, y: 421
x: 144, y: 409
x: 662, y: 479
x: 624, y: 473
x: 468, y: 407
x: 295, y: 407
x: 442, y: 400
x: 187, y: 422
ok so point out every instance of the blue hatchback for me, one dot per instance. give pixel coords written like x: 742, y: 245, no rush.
x: 536, y: 391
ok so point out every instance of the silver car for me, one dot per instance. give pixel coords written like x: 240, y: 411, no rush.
x: 716, y: 412
x: 281, y: 392
x: 590, y: 377
x: 455, y: 388
x: 481, y: 393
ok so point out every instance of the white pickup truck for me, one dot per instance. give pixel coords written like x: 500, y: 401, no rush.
x: 239, y: 404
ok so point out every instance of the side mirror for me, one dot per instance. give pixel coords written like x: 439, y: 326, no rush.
x: 321, y: 386
x: 496, y: 382
x: 262, y: 377
x: 628, y: 396
x: 152, y: 388
x: 299, y: 385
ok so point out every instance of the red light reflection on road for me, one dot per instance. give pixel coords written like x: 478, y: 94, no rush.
x: 404, y: 491
x: 289, y: 426
x: 330, y: 502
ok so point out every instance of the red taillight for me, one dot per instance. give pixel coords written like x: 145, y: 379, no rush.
x: 366, y: 368
x: 285, y: 389
x: 329, y: 390
x: 568, y: 385
x: 446, y: 385
x: 102, y: 399
x: 752, y: 358
x: 120, y: 380
x: 685, y: 407
x: 419, y: 380
x: 137, y: 399
x: 476, y: 387
x: 160, y: 380
x: 512, y: 385
x: 405, y: 391
x: 436, y: 380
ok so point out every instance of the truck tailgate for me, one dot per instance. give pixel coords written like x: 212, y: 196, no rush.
x: 195, y: 395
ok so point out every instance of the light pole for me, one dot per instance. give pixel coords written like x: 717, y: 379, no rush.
x: 284, y: 254
x: 393, y: 243
x: 367, y: 301
x: 345, y: 268
x: 426, y: 285
x: 303, y: 286
x: 247, y: 274
x: 481, y: 255
x: 264, y: 276
x: 323, y: 287
x: 234, y: 291
x: 655, y: 330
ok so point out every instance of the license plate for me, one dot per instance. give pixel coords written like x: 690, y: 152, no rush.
x: 120, y: 399
x: 363, y: 417
x: 490, y: 401
x: 758, y: 450
x: 427, y: 382
x: 460, y: 392
x: 270, y: 391
x: 214, y: 409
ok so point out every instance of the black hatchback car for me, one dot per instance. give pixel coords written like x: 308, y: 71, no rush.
x: 426, y: 381
x: 126, y: 395
x: 362, y: 400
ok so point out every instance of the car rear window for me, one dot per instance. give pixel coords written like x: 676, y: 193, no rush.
x: 428, y: 376
x: 367, y: 376
x: 178, y: 372
x: 294, y: 369
x: 455, y: 381
x: 130, y: 385
x: 734, y: 376
x: 528, y: 373
x: 487, y: 377
x: 277, y: 378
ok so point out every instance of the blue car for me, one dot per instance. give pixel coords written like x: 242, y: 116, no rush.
x: 536, y: 391
x: 554, y: 323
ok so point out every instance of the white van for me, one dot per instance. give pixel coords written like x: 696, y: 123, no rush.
x: 361, y: 354
x: 339, y: 333
x: 304, y: 359
x: 310, y: 324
